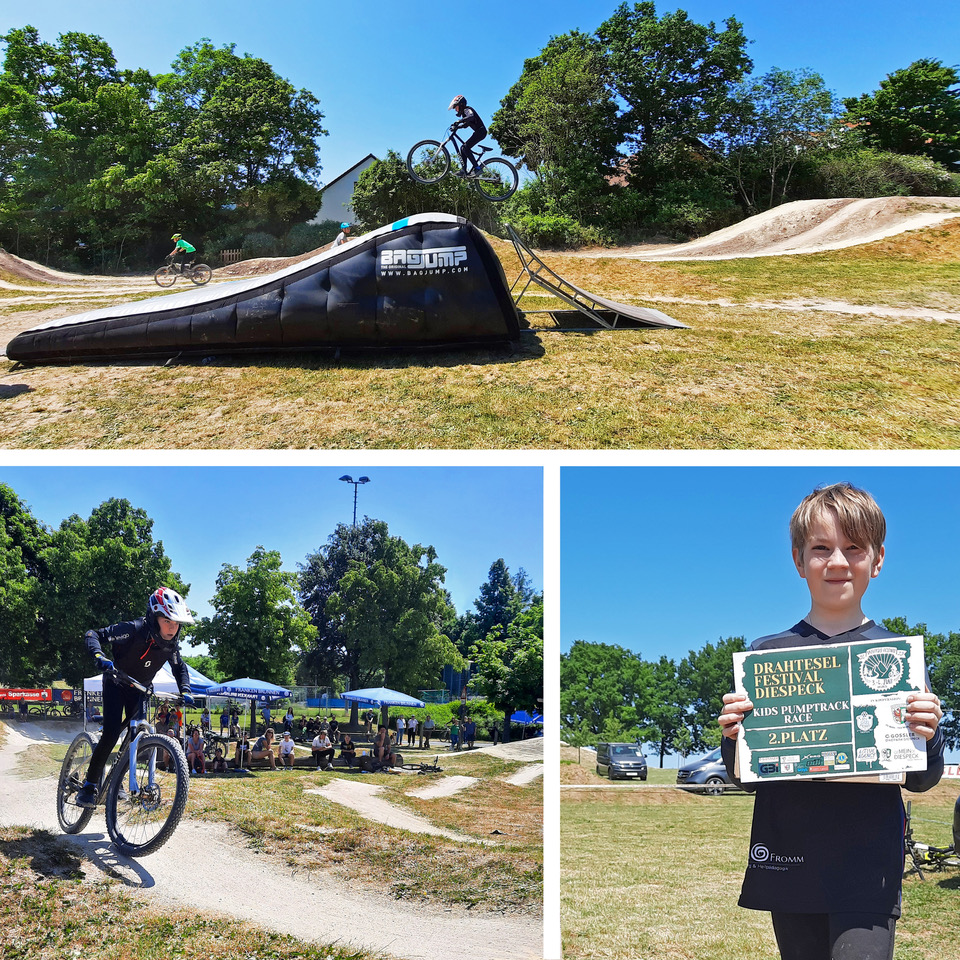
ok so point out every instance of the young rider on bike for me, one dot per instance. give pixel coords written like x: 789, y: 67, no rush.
x: 140, y: 648
x: 185, y: 247
x: 467, y: 117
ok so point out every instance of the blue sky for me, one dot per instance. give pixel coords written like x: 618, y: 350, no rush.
x: 385, y: 71
x: 208, y: 516
x: 663, y: 560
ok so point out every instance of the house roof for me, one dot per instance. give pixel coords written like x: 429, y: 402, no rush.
x: 346, y: 173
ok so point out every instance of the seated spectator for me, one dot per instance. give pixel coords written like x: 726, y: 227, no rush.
x: 333, y: 728
x: 263, y: 748
x: 241, y: 756
x: 234, y: 731
x: 288, y: 720
x: 288, y: 750
x: 381, y: 743
x: 322, y: 751
x: 205, y: 719
x: 168, y: 762
x: 348, y: 750
x: 225, y: 721
x: 195, y: 758
x: 219, y: 763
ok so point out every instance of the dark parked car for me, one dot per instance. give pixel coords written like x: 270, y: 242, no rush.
x: 621, y: 761
x: 709, y: 773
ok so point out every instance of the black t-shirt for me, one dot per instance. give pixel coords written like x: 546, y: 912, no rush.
x: 821, y: 846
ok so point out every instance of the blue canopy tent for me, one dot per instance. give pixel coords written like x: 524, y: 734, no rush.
x: 246, y: 688
x: 525, y: 720
x: 199, y: 684
x: 382, y: 697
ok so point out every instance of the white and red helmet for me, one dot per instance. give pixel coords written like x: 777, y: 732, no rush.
x: 165, y: 602
x: 458, y: 103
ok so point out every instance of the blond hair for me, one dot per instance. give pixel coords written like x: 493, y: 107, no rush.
x: 857, y: 513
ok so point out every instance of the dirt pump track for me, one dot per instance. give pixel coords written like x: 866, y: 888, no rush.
x: 228, y: 870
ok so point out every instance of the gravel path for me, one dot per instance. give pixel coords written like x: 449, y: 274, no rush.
x: 314, y: 906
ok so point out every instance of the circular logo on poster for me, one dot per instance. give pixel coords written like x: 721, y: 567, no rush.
x: 881, y: 667
x: 760, y: 853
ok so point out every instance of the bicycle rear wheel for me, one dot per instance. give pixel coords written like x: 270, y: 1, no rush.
x: 428, y: 161
x: 165, y: 276
x: 73, y: 770
x: 498, y: 179
x: 142, y: 822
x: 201, y: 274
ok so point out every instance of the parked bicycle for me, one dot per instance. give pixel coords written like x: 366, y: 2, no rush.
x: 429, y: 162
x: 922, y: 856
x: 421, y: 768
x: 167, y: 275
x: 144, y: 792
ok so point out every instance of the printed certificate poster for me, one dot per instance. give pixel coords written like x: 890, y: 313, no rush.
x: 830, y: 710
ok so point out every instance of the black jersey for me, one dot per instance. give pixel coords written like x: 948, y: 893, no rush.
x: 138, y: 653
x: 820, y: 846
x: 470, y: 118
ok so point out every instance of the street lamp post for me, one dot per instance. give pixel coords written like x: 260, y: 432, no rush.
x: 346, y: 478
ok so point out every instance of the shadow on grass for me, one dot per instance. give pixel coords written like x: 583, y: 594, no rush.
x: 528, y: 347
x: 10, y: 390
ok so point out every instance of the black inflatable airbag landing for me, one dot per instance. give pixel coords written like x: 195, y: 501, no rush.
x: 428, y: 280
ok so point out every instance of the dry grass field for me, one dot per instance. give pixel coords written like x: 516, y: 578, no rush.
x: 854, y: 348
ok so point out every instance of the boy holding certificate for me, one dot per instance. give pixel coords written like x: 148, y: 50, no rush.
x: 826, y: 857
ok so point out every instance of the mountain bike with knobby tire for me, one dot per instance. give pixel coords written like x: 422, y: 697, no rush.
x: 428, y: 162
x: 198, y: 273
x: 922, y: 856
x: 144, y: 792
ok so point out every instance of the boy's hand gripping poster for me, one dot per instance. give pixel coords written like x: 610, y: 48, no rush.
x: 830, y: 711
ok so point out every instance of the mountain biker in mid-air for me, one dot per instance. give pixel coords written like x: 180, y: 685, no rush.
x: 184, y: 247
x: 140, y: 648
x: 467, y: 117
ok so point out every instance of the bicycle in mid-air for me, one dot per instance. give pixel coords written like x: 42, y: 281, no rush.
x: 429, y: 162
x: 144, y: 792
x: 167, y: 275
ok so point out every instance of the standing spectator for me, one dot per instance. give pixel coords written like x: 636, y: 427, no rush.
x: 368, y: 719
x: 401, y: 726
x: 288, y: 719
x: 322, y: 751
x: 266, y: 715
x: 411, y: 730
x: 428, y: 726
x: 162, y: 719
x: 22, y: 709
x: 195, y: 759
x: 469, y: 733
x: 205, y: 720
x: 263, y: 748
x: 495, y: 732
x: 334, y: 730
x: 176, y: 718
x: 348, y: 750
x: 455, y: 734
x: 288, y: 750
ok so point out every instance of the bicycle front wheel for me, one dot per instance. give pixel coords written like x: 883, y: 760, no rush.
x: 498, y: 179
x: 140, y: 823
x: 428, y: 161
x: 201, y: 274
x: 73, y: 771
x: 165, y: 277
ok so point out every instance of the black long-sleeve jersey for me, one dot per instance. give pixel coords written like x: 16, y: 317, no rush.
x: 138, y: 653
x: 470, y: 118
x: 819, y: 846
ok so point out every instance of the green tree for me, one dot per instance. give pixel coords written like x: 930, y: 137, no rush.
x: 705, y: 676
x: 26, y: 658
x: 509, y: 664
x: 675, y: 75
x: 601, y: 682
x: 259, y: 627
x: 916, y: 110
x: 100, y: 571
x: 664, y: 714
x: 781, y: 118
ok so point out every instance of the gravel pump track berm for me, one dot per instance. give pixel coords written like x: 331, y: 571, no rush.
x: 144, y: 792
x: 167, y: 275
x: 429, y: 162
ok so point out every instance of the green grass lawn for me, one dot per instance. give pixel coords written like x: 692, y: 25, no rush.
x: 742, y: 376
x: 654, y: 874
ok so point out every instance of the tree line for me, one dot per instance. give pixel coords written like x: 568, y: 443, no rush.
x: 364, y: 609
x: 657, y: 125
x: 610, y: 693
x: 99, y: 165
